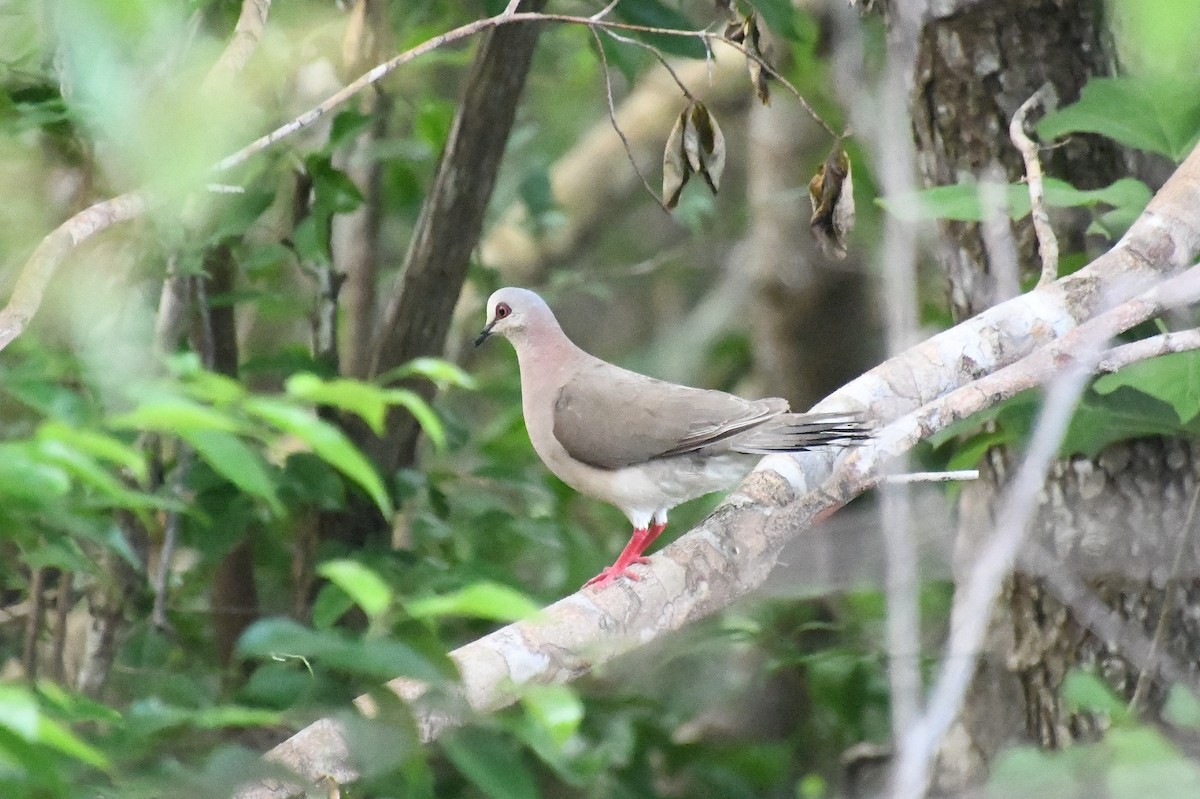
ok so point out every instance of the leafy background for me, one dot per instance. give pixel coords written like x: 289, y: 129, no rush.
x: 99, y: 433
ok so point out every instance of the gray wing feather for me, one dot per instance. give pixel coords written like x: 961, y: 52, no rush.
x: 610, y: 417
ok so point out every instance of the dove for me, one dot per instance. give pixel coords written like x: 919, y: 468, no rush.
x: 642, y: 444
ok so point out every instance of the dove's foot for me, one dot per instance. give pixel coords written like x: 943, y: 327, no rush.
x: 610, y: 574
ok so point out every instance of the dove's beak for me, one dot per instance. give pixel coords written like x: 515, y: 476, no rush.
x: 483, y: 334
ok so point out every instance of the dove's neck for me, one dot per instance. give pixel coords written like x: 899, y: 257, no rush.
x: 545, y: 356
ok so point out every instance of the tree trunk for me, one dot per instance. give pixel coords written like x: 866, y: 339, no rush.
x: 421, y: 307
x: 418, y: 317
x: 1098, y: 576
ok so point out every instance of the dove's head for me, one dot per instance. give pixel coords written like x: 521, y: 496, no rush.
x: 514, y: 312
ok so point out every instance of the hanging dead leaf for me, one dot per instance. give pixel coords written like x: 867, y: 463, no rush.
x: 755, y: 57
x: 704, y: 145
x: 758, y: 78
x: 676, y: 169
x: 832, y: 194
x: 735, y: 31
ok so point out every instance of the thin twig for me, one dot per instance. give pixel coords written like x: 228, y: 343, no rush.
x: 381, y: 71
x: 932, y: 477
x: 1047, y: 241
x: 973, y: 605
x: 1146, y: 673
x: 612, y: 116
x: 40, y: 268
x: 662, y: 59
x: 1104, y: 623
x: 602, y: 13
x: 1146, y: 348
x: 370, y: 77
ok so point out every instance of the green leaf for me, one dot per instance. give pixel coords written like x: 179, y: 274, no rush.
x: 376, y: 658
x: 53, y: 734
x: 1173, y: 378
x: 212, y: 388
x: 422, y: 412
x: 330, y: 605
x: 90, y: 473
x: 231, y: 458
x: 1083, y: 690
x: 441, y: 372
x: 482, y: 600
x: 224, y: 716
x: 363, y: 585
x: 556, y: 709
x: 1124, y: 414
x: 364, y: 399
x: 96, y: 444
x: 1028, y: 771
x: 347, y: 125
x: 491, y: 762
x: 175, y: 415
x: 19, y: 711
x: 961, y: 201
x: 326, y: 441
x: 1145, y: 763
x: 333, y: 190
x: 1155, y: 114
x: 27, y: 479
x: 654, y: 14
x: 1182, y: 708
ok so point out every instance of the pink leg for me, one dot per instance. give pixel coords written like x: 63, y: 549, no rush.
x: 631, y: 554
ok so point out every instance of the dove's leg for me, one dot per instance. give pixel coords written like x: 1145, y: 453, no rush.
x: 641, y: 539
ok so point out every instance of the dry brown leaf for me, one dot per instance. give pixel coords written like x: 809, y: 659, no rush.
x: 676, y: 169
x: 755, y: 58
x: 704, y: 145
x: 832, y: 194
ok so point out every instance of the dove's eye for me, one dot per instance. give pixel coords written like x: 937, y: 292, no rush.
x: 502, y: 310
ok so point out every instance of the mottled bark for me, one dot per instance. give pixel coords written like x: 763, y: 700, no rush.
x: 1112, y: 524
x: 974, y: 69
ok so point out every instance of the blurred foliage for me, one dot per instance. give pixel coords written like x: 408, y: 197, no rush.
x: 104, y: 441
x: 102, y: 434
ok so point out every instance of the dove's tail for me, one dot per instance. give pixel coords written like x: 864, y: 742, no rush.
x: 795, y: 432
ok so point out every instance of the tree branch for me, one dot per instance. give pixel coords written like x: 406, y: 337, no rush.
x: 41, y: 266
x: 1047, y: 241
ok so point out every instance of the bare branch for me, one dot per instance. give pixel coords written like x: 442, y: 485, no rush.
x: 662, y: 59
x: 1047, y: 241
x: 973, y: 602
x: 235, y: 56
x: 375, y: 74
x: 932, y: 477
x: 1144, y: 349
x: 602, y: 13
x: 53, y: 250
x: 612, y: 116
x: 1148, y: 670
